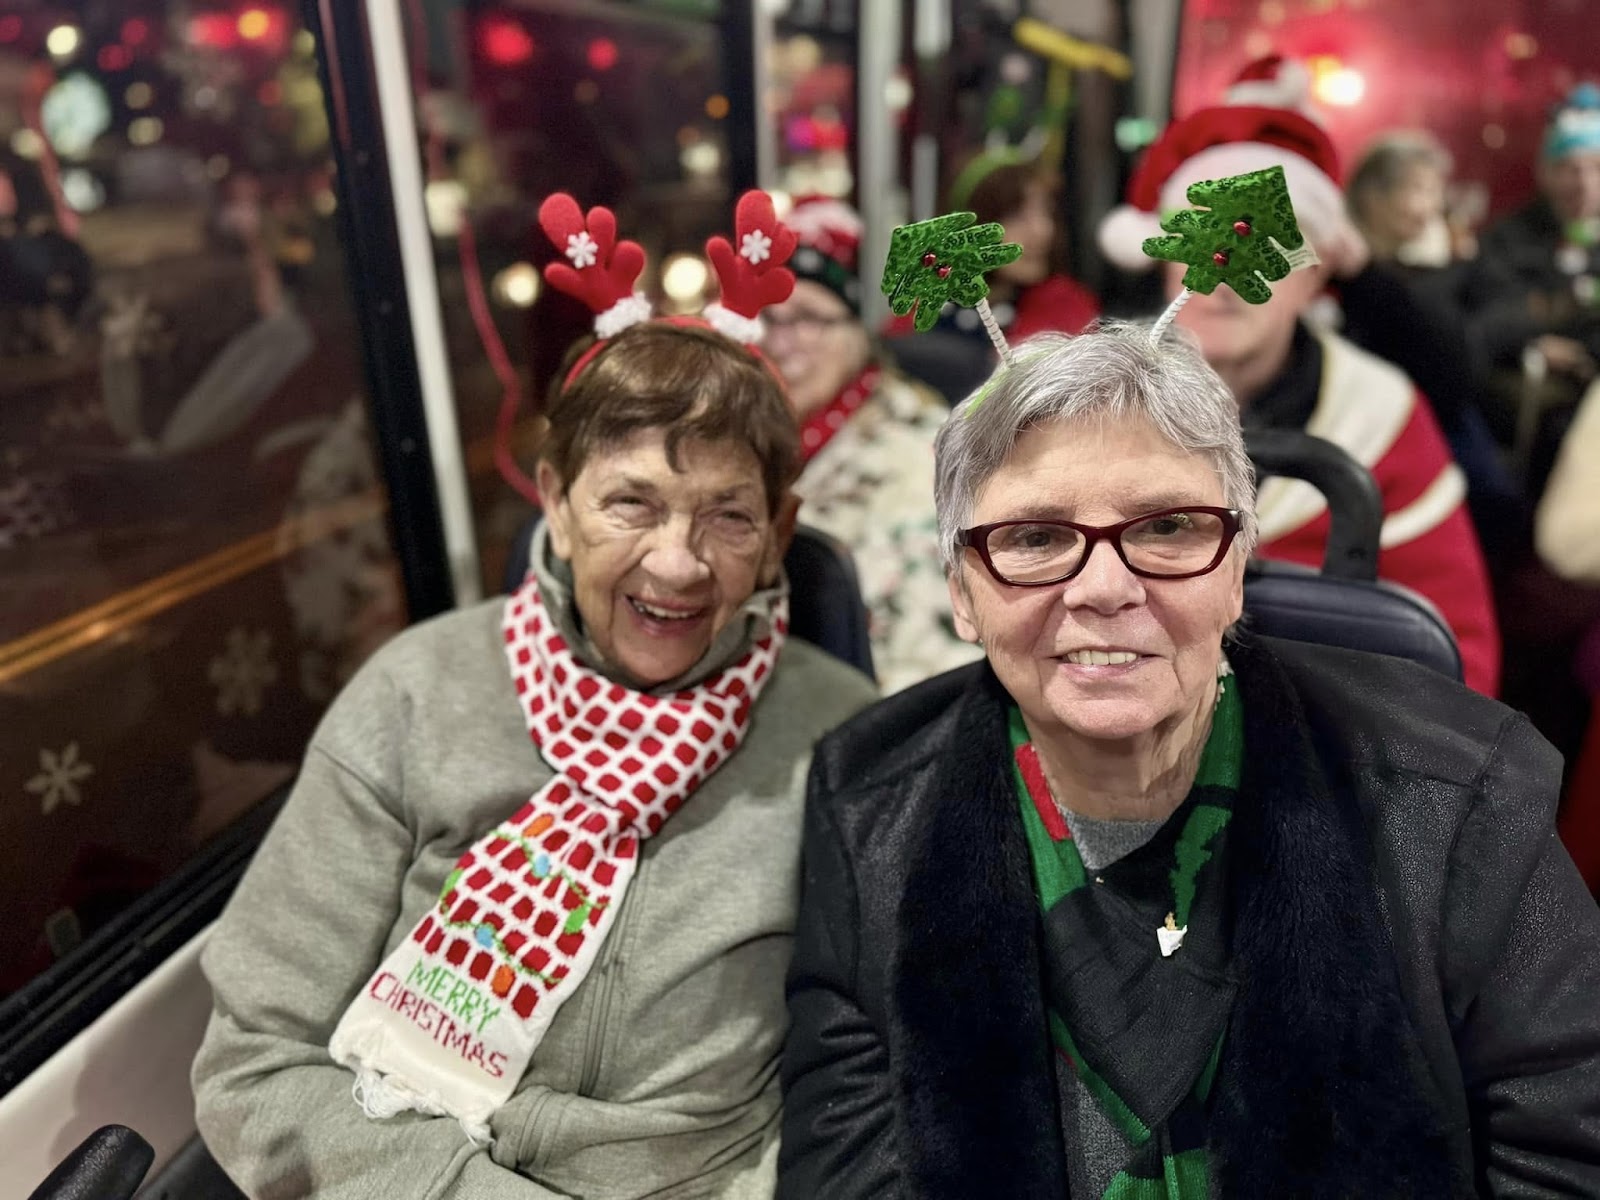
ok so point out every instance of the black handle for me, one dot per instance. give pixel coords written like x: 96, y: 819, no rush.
x: 109, y: 1164
x: 1354, y: 503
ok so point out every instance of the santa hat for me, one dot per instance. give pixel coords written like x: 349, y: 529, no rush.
x: 1274, y: 82
x: 1265, y: 122
x: 829, y: 249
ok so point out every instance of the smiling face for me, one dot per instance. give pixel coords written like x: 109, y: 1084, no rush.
x: 1106, y: 655
x: 1235, y: 335
x: 818, y: 344
x: 1033, y: 227
x: 662, y: 558
x: 1572, y: 184
x: 1404, y: 212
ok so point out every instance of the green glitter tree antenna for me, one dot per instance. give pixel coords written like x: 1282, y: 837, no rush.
x: 1242, y: 233
x: 943, y: 259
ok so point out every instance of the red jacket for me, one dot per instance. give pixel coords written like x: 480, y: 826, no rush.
x: 1428, y: 544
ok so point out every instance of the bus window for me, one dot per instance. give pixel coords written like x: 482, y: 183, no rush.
x: 637, y: 107
x: 193, y: 531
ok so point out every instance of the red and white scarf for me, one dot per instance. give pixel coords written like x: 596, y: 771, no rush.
x: 448, y: 1023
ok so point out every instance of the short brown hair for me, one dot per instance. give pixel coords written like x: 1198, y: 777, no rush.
x: 1001, y: 192
x: 689, y: 380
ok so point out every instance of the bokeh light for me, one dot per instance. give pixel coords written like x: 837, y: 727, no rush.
x: 684, y: 278
x: 145, y: 131
x: 63, y: 41
x: 602, y: 54
x: 517, y: 286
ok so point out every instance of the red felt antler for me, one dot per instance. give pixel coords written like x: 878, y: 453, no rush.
x: 599, y: 270
x: 754, y: 276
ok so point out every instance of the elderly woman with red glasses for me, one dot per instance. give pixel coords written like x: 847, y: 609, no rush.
x: 1147, y: 906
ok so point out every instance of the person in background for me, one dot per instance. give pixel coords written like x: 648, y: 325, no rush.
x: 1567, y: 524
x: 1145, y: 906
x: 578, y: 993
x: 1032, y: 295
x: 1396, y: 193
x: 1396, y: 196
x: 1567, y: 537
x: 1287, y: 376
x: 866, y: 438
x: 46, y: 277
x: 1536, y: 281
x: 1037, y: 290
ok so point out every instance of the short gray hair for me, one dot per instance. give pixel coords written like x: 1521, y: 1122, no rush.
x: 1386, y: 161
x: 1114, y: 372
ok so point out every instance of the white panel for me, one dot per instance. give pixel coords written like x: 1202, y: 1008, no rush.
x: 877, y: 53
x: 422, y: 295
x: 131, y: 1067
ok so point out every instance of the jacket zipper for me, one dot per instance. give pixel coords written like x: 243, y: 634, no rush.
x: 600, y: 1012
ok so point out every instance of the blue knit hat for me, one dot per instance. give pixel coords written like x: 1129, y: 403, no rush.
x: 1575, y: 125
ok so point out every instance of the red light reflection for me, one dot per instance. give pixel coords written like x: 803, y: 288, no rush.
x: 505, y: 42
x: 602, y: 54
x: 215, y: 30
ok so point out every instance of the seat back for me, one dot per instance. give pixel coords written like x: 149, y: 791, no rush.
x: 1344, y: 604
x: 950, y: 363
x: 825, y: 605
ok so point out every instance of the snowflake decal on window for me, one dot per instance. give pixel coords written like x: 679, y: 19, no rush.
x: 58, y: 778
x: 582, y: 250
x: 756, y: 247
x: 243, y: 672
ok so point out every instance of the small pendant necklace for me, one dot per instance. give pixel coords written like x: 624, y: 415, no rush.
x: 1190, y: 853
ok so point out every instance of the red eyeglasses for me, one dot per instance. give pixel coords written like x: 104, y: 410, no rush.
x: 1174, y: 543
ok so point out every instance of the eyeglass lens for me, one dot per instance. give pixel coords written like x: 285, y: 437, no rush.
x: 1175, y: 543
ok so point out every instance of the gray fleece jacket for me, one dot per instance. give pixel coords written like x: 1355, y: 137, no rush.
x: 659, y: 1077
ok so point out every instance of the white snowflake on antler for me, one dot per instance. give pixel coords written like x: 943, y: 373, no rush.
x: 582, y: 250
x: 58, y: 778
x: 755, y: 246
x: 243, y: 672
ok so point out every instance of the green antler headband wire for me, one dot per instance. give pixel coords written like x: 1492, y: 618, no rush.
x: 945, y: 259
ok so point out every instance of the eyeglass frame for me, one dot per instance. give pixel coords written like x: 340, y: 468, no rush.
x: 977, y: 538
x: 815, y: 322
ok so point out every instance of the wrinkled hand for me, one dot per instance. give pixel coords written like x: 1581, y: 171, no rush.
x: 1566, y: 356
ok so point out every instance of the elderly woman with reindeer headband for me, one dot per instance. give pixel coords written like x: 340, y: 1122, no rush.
x: 1145, y: 908
x: 522, y: 926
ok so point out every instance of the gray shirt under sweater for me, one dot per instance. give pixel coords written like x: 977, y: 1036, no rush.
x: 1096, y: 1149
x: 659, y: 1076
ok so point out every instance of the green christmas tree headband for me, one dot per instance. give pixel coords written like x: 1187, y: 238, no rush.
x: 1243, y: 233
x: 945, y: 259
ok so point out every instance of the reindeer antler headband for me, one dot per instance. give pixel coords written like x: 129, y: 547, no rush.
x: 601, y: 271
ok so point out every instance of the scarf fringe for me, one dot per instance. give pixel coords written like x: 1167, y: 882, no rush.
x: 383, y: 1096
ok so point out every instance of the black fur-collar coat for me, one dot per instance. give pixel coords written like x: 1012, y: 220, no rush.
x: 1413, y: 1005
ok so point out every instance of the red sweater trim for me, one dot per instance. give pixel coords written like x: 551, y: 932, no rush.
x: 818, y: 429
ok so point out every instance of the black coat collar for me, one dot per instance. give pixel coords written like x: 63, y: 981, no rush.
x: 974, y: 1072
x: 1320, y: 1090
